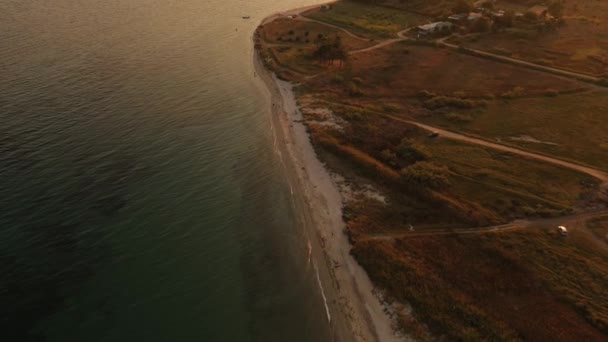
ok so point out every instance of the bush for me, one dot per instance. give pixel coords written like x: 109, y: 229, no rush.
x: 530, y: 16
x: 390, y: 107
x: 458, y: 117
x: 461, y: 94
x: 551, y: 92
x: 425, y: 173
x: 389, y: 157
x: 446, y: 101
x: 426, y: 94
x: 515, y: 92
x: 411, y: 153
x: 338, y: 79
x: 354, y: 90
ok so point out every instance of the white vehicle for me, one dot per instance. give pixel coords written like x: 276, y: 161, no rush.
x: 562, y: 230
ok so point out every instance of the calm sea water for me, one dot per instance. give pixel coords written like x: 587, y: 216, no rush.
x: 141, y: 199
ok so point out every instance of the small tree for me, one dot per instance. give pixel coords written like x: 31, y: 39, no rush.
x: 482, y: 24
x: 328, y: 52
x: 506, y: 20
x: 556, y: 8
x: 489, y: 5
x: 530, y: 16
x: 462, y: 6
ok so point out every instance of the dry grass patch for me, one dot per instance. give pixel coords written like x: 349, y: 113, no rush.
x: 516, y: 286
x: 568, y: 126
x: 402, y: 71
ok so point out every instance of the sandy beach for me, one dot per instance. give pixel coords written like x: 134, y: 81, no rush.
x: 354, y: 312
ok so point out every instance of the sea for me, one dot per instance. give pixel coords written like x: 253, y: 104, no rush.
x: 141, y: 196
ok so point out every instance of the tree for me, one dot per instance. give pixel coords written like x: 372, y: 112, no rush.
x: 462, y: 6
x: 482, y: 24
x: 556, y: 8
x: 530, y: 16
x: 489, y: 5
x: 328, y: 51
x: 506, y: 20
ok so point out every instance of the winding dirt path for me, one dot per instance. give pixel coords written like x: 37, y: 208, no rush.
x: 599, y: 174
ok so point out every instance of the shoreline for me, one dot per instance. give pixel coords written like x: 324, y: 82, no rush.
x: 354, y: 312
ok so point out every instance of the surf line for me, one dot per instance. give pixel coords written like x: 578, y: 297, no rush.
x: 322, y: 293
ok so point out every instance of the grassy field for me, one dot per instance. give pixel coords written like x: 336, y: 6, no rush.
x: 581, y: 45
x: 292, y: 42
x: 483, y: 187
x: 368, y: 20
x: 401, y: 71
x: 516, y: 286
x: 305, y: 33
x: 568, y: 126
x: 508, y: 184
x: 527, y: 284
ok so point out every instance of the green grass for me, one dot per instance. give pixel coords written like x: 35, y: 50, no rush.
x: 572, y: 126
x: 369, y: 20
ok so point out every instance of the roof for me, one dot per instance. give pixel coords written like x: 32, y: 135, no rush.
x: 433, y: 26
x: 474, y: 16
x: 458, y: 16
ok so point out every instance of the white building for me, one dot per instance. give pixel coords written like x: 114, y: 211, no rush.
x: 440, y: 26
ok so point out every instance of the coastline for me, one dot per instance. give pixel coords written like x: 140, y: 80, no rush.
x: 354, y: 311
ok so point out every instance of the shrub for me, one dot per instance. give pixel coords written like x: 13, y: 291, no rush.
x: 461, y: 94
x: 390, y: 107
x: 551, y: 92
x: 389, y: 157
x: 425, y: 173
x: 458, y: 117
x: 426, y: 94
x: 515, y: 92
x: 530, y: 16
x: 411, y: 153
x: 354, y: 90
x: 446, y: 101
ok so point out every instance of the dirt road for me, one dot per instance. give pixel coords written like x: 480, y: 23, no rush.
x: 572, y: 221
x: 599, y: 174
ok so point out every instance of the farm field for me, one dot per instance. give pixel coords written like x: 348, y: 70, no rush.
x: 581, y: 45
x: 403, y: 70
x: 371, y: 21
x: 568, y: 126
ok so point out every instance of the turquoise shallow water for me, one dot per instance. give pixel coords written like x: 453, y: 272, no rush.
x: 141, y: 198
